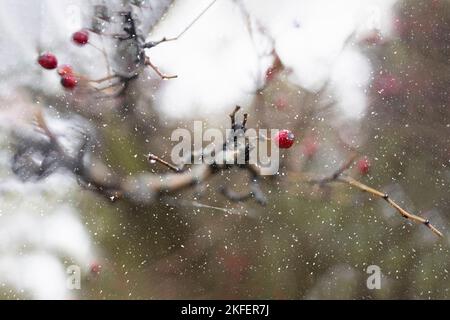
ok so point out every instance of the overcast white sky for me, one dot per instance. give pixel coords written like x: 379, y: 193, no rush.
x: 217, y: 62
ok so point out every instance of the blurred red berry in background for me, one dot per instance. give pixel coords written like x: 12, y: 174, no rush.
x: 281, y: 102
x: 309, y: 147
x: 364, y: 166
x: 373, y: 38
x: 387, y: 85
x: 95, y: 268
x: 402, y: 28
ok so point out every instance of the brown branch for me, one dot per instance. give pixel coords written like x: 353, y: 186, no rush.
x: 361, y: 186
x: 107, y: 78
x: 158, y: 72
x: 338, y: 176
x: 105, y: 55
x: 144, y: 188
x: 233, y: 116
x: 151, y: 157
x: 42, y: 124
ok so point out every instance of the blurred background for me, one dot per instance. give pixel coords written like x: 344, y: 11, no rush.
x: 370, y: 76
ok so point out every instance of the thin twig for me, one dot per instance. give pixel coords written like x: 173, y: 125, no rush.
x: 152, y: 157
x: 344, y: 167
x: 151, y: 44
x: 109, y: 77
x: 361, y: 186
x: 158, y: 72
x: 105, y: 55
x: 338, y: 176
x: 193, y: 21
x: 42, y: 124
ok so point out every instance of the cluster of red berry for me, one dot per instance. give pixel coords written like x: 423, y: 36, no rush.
x: 48, y: 60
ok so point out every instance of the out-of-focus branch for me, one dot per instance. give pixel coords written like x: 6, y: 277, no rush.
x: 346, y: 165
x: 145, y: 188
x: 132, y: 35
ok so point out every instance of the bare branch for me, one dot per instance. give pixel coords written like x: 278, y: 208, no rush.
x: 361, y: 186
x: 338, y: 176
x: 152, y: 157
x: 158, y: 72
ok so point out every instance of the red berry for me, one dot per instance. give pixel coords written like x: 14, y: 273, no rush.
x: 80, y: 37
x: 402, y: 27
x: 284, y: 139
x: 48, y: 60
x: 364, y: 166
x: 65, y: 69
x: 281, y: 102
x: 69, y: 81
x: 95, y: 268
x: 373, y: 38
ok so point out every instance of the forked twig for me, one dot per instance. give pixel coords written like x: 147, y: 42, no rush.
x: 361, y: 186
x: 130, y: 32
x: 105, y: 55
x: 158, y: 72
x: 145, y: 187
x: 338, y: 176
